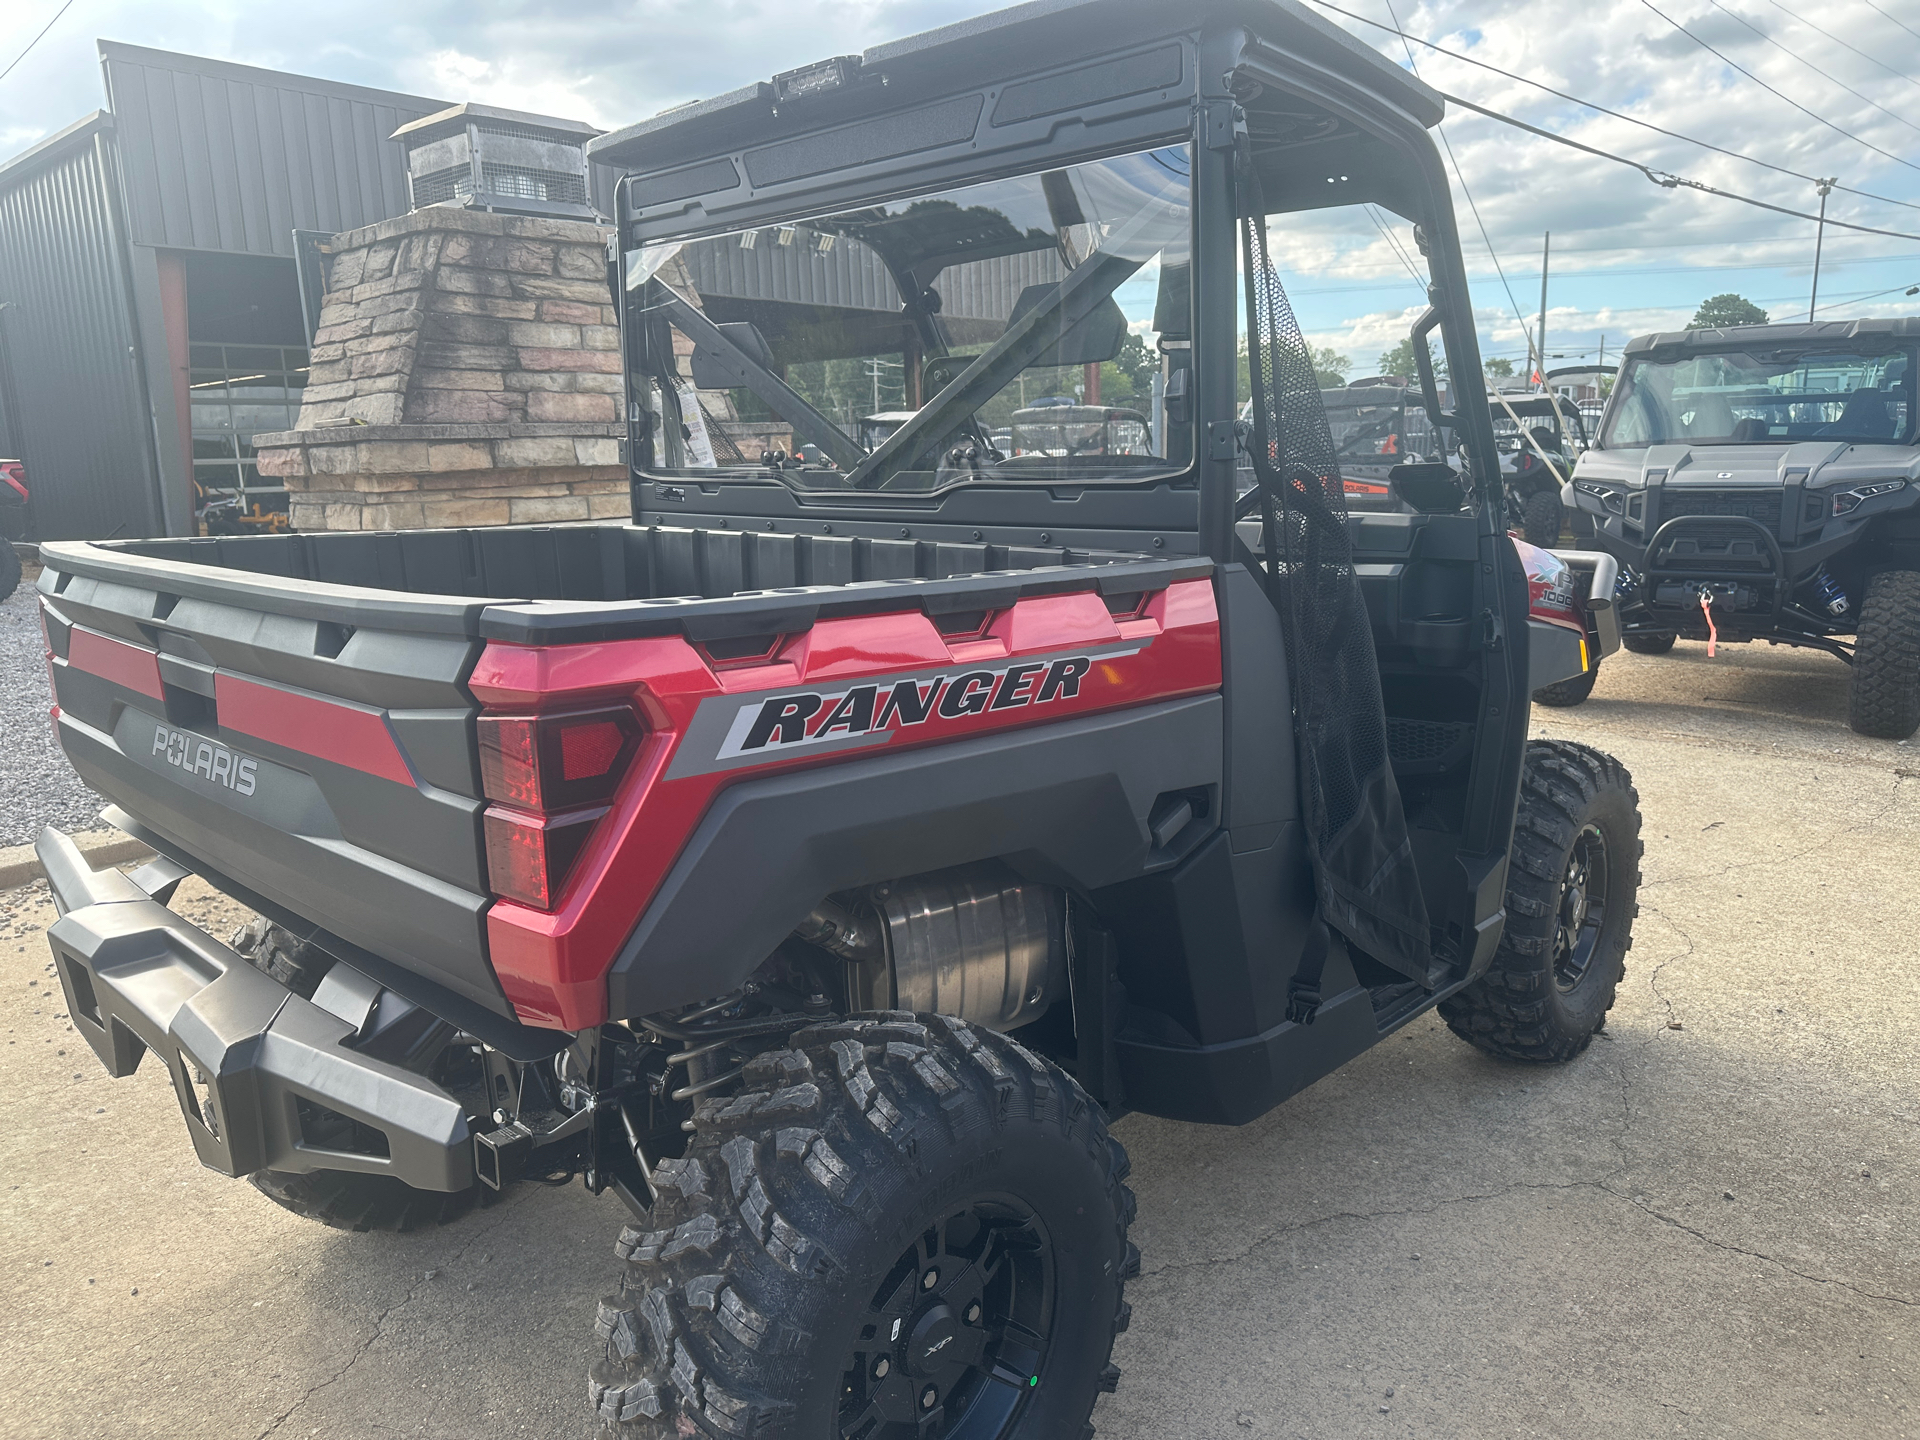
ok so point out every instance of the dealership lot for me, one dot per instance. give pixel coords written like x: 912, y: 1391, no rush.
x: 1708, y: 1225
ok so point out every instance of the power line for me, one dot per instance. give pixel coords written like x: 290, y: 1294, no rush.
x: 36, y: 39
x: 1771, y: 91
x: 1393, y: 244
x: 1901, y: 23
x: 1838, y: 41
x: 1458, y: 173
x: 1809, y: 64
x: 1607, y: 273
x: 1666, y: 179
x: 1616, y: 114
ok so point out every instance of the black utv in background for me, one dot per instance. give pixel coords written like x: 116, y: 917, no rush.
x: 1763, y: 483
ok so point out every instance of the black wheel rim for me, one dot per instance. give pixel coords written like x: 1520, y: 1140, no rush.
x: 1583, y: 909
x: 954, y: 1340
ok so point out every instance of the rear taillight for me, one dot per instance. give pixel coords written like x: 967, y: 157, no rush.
x: 550, y: 778
x: 13, y: 478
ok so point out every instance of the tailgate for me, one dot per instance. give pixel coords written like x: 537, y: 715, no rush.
x: 313, y: 742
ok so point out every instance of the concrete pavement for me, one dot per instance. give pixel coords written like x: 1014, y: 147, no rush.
x: 1706, y: 1226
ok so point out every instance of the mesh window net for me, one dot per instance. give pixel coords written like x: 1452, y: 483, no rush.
x: 1363, y: 865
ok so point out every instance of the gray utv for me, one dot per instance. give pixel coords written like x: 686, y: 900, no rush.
x: 1763, y: 483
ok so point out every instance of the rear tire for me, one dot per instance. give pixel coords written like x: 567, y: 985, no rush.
x: 1576, y: 850
x: 1656, y: 643
x: 1883, y: 700
x: 340, y: 1199
x: 1564, y: 693
x: 902, y: 1217
x: 1541, y: 518
x: 9, y: 569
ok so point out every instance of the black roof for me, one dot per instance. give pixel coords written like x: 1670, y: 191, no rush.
x: 1006, y: 44
x: 1733, y: 337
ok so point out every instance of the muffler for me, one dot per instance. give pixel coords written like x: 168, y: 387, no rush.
x: 976, y: 942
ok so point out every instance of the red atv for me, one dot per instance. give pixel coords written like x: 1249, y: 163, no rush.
x: 818, y: 862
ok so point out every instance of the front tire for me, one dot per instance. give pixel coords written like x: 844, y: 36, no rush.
x: 1883, y: 700
x: 1657, y: 642
x: 902, y: 1218
x: 1564, y: 693
x: 1573, y: 882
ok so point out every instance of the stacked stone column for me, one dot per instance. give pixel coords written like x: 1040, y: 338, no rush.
x: 466, y: 371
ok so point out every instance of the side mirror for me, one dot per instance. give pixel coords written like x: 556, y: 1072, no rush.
x: 1428, y: 486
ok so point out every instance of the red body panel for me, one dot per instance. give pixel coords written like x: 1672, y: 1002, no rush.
x: 1551, y: 594
x: 134, y: 667
x: 335, y: 730
x: 1047, y: 658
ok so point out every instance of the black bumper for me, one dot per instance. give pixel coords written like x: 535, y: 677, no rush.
x: 253, y: 1065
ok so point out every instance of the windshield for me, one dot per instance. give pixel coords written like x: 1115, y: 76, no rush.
x: 1366, y: 422
x: 894, y: 347
x: 1758, y: 397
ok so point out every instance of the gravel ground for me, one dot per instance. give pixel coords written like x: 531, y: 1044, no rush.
x: 37, y: 785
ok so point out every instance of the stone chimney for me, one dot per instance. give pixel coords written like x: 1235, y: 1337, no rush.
x: 466, y: 371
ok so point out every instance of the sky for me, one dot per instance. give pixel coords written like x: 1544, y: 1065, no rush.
x: 1628, y: 256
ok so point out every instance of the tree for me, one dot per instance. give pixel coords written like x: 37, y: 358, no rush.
x: 1399, y: 361
x: 1127, y: 379
x: 1330, y: 367
x: 1723, y: 311
x: 1498, y: 368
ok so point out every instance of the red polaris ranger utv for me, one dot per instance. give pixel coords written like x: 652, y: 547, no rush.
x: 820, y: 860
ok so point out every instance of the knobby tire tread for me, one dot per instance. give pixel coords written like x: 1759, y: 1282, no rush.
x: 1564, y: 693
x: 1883, y: 700
x: 1541, y: 518
x: 1512, y: 1010
x: 758, y: 1224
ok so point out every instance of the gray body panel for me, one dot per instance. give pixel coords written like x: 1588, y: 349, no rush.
x: 1065, y: 803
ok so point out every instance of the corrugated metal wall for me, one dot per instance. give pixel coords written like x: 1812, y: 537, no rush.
x: 80, y: 403
x: 227, y: 157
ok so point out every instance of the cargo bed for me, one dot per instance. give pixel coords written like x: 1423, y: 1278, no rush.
x: 291, y: 713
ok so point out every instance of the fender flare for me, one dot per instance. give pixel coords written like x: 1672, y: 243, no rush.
x: 1066, y: 803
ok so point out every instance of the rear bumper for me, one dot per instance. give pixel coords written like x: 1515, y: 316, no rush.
x: 254, y: 1066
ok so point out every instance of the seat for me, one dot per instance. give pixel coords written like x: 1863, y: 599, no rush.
x: 1865, y: 417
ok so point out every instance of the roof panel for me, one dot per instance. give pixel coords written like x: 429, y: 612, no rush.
x: 231, y: 157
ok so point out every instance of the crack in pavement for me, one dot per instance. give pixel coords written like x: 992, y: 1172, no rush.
x: 380, y: 1322
x: 1601, y: 1186
x: 1653, y: 975
x: 1687, y: 1229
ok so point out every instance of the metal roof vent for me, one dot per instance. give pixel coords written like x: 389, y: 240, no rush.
x: 481, y: 158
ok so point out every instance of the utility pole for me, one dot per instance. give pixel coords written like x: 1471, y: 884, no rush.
x: 1819, y: 239
x: 1546, y: 250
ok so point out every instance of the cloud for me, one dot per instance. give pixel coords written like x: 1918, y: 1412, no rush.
x: 1626, y: 252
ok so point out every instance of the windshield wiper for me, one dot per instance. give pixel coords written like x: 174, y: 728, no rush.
x: 786, y: 402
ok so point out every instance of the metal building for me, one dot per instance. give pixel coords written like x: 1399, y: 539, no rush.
x: 150, y: 317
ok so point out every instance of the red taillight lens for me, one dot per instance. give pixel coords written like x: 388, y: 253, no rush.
x: 14, y: 476
x: 549, y: 777
x: 555, y: 762
x: 528, y: 856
